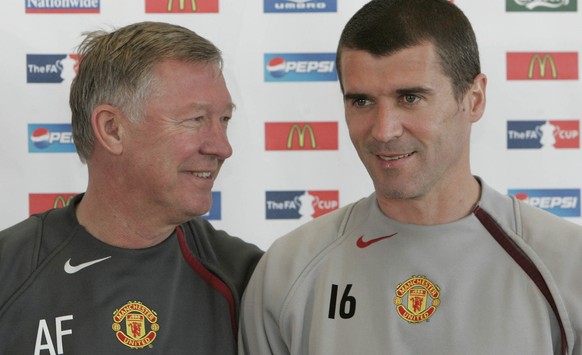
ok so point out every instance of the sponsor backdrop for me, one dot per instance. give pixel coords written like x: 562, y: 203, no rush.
x: 293, y: 159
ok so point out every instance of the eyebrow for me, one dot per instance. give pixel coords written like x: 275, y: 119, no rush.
x: 200, y: 106
x: 354, y: 96
x: 414, y: 90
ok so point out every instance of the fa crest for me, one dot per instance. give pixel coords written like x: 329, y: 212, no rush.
x: 422, y: 299
x: 136, y: 335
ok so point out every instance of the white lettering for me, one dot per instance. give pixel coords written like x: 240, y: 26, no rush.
x: 303, y: 6
x: 304, y: 67
x: 529, y: 134
x: 61, y: 137
x: 570, y: 134
x: 285, y: 205
x: 74, y: 4
x: 547, y: 202
x: 326, y: 67
x: 327, y: 205
x: 43, y: 330
x: 62, y: 332
x: 42, y: 69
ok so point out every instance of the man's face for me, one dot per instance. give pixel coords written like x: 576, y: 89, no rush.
x: 175, y: 153
x: 409, y: 130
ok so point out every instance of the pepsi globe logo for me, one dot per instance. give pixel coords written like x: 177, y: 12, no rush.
x: 41, y: 138
x: 276, y: 67
x: 522, y: 196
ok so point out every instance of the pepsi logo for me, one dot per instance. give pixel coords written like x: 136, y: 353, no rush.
x: 522, y: 196
x: 41, y: 138
x: 276, y: 67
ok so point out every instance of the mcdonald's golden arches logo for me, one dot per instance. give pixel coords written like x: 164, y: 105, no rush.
x: 301, y: 136
x: 181, y: 6
x: 536, y: 58
x: 41, y: 202
x: 542, y: 66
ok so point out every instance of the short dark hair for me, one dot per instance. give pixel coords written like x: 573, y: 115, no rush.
x: 382, y: 27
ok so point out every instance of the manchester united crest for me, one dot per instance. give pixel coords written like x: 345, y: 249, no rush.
x: 417, y: 299
x: 135, y: 325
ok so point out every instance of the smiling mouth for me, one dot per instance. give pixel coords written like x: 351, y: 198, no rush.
x: 203, y: 175
x: 398, y: 157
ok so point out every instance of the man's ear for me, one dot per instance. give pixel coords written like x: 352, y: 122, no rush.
x: 477, y: 97
x: 108, y: 128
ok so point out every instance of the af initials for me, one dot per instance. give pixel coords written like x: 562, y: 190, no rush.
x: 44, y: 340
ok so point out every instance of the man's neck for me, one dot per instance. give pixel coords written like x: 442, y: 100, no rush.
x: 115, y: 223
x: 436, y: 207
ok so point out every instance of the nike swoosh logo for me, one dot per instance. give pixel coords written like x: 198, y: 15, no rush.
x: 70, y: 269
x: 361, y: 243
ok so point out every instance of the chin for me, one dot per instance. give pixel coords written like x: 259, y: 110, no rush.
x: 195, y: 208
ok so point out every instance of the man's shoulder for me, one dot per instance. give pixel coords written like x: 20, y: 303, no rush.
x: 290, y: 260
x: 229, y: 257
x: 306, y: 246
x: 555, y: 246
x: 219, y: 241
x: 49, y: 227
x: 18, y: 244
x: 543, y: 220
x: 319, y: 233
x: 20, y: 233
x: 547, y: 232
x: 25, y: 245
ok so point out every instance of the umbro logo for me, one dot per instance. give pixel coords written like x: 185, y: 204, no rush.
x: 361, y: 243
x: 71, y: 269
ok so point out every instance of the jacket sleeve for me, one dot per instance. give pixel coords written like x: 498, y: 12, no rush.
x: 230, y: 258
x: 237, y: 258
x: 272, y: 318
x: 260, y: 331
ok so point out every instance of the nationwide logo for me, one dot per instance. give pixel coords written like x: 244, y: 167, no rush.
x: 541, y: 5
x: 303, y: 205
x: 181, y: 6
x: 62, y: 6
x: 131, y: 325
x: 300, y: 67
x: 301, y: 136
x: 51, y: 68
x: 300, y: 5
x: 542, y: 66
x: 417, y: 299
x: 42, y: 202
x: 50, y: 138
x: 215, y: 212
x: 552, y: 134
x: 561, y: 202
